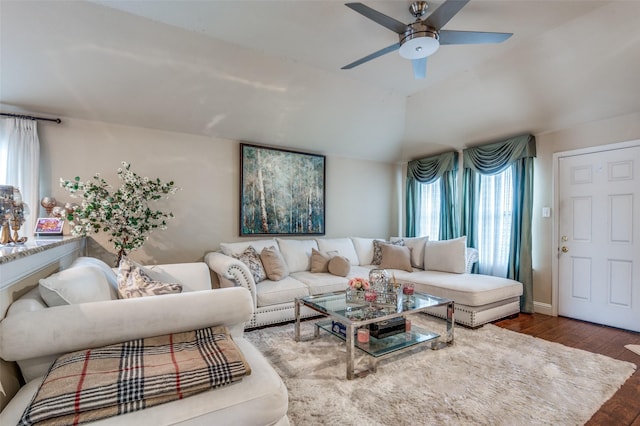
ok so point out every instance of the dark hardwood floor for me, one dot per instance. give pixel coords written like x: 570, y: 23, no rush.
x: 624, y: 407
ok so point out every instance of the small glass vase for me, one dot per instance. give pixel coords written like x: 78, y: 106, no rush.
x: 379, y: 280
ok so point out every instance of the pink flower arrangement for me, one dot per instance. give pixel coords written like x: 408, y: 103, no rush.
x: 359, y: 284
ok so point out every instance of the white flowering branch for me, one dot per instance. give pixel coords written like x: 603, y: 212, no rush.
x: 124, y: 214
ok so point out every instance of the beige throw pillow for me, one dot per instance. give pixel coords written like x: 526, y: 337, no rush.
x: 377, y: 249
x: 320, y: 260
x: 340, y: 266
x: 274, y: 264
x: 446, y: 256
x: 417, y: 245
x: 395, y: 257
x: 134, y: 280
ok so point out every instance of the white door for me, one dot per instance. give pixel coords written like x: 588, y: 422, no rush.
x: 599, y: 237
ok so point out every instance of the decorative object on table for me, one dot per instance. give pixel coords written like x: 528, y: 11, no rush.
x: 126, y: 214
x: 49, y: 226
x: 407, y: 293
x: 356, y: 289
x: 363, y: 335
x: 387, y: 328
x: 340, y: 328
x: 378, y: 294
x: 370, y: 295
x: 379, y: 279
x: 281, y: 192
x: 48, y: 203
x: 12, y: 215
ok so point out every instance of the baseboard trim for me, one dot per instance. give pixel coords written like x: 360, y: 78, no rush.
x: 542, y: 308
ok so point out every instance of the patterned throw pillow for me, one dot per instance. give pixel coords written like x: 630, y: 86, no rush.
x: 134, y: 280
x: 251, y: 258
x: 377, y: 249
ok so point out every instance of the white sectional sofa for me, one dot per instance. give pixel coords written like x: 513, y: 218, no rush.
x: 438, y: 268
x: 34, y: 335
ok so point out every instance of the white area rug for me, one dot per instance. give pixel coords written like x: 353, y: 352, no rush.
x: 633, y: 348
x: 490, y: 376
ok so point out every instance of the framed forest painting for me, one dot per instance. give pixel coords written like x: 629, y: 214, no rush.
x: 281, y: 192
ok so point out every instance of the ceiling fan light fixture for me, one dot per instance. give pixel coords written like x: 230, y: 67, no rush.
x: 419, y: 47
x: 419, y: 41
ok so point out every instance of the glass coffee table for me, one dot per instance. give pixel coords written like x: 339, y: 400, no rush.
x: 354, y: 315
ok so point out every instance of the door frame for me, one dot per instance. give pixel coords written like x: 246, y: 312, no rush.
x: 555, y: 246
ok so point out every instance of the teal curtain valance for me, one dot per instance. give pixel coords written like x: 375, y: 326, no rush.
x: 430, y: 169
x: 496, y: 157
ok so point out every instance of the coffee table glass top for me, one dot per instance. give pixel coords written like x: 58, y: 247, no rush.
x: 336, y: 305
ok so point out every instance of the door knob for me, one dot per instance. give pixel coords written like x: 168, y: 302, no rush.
x: 565, y: 249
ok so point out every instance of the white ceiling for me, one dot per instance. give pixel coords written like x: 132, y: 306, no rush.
x: 269, y: 72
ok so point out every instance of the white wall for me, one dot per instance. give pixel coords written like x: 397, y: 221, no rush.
x: 359, y: 193
x: 613, y: 130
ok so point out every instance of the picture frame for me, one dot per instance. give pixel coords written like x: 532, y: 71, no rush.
x: 282, y: 192
x: 49, y: 226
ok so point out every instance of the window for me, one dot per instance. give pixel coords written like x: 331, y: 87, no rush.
x: 428, y: 223
x: 495, y: 207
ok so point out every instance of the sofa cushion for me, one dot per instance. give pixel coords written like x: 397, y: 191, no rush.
x: 274, y: 265
x: 277, y: 292
x: 251, y: 258
x: 340, y: 266
x: 395, y: 257
x: 239, y: 247
x: 361, y: 271
x: 364, y: 249
x: 322, y: 283
x: 344, y: 247
x: 446, y: 255
x: 377, y: 249
x: 134, y: 280
x: 297, y: 253
x: 417, y: 246
x: 81, y: 284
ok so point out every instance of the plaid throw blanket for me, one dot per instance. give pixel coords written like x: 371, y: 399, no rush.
x: 93, y: 384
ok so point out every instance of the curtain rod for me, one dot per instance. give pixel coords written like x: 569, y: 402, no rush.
x: 30, y: 117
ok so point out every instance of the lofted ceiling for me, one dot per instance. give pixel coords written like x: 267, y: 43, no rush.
x: 268, y: 72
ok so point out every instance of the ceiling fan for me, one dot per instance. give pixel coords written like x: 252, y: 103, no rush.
x: 422, y: 38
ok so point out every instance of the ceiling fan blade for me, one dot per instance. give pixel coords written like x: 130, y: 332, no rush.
x: 374, y: 55
x: 471, y: 37
x: 419, y: 68
x: 382, y: 19
x: 445, y: 12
